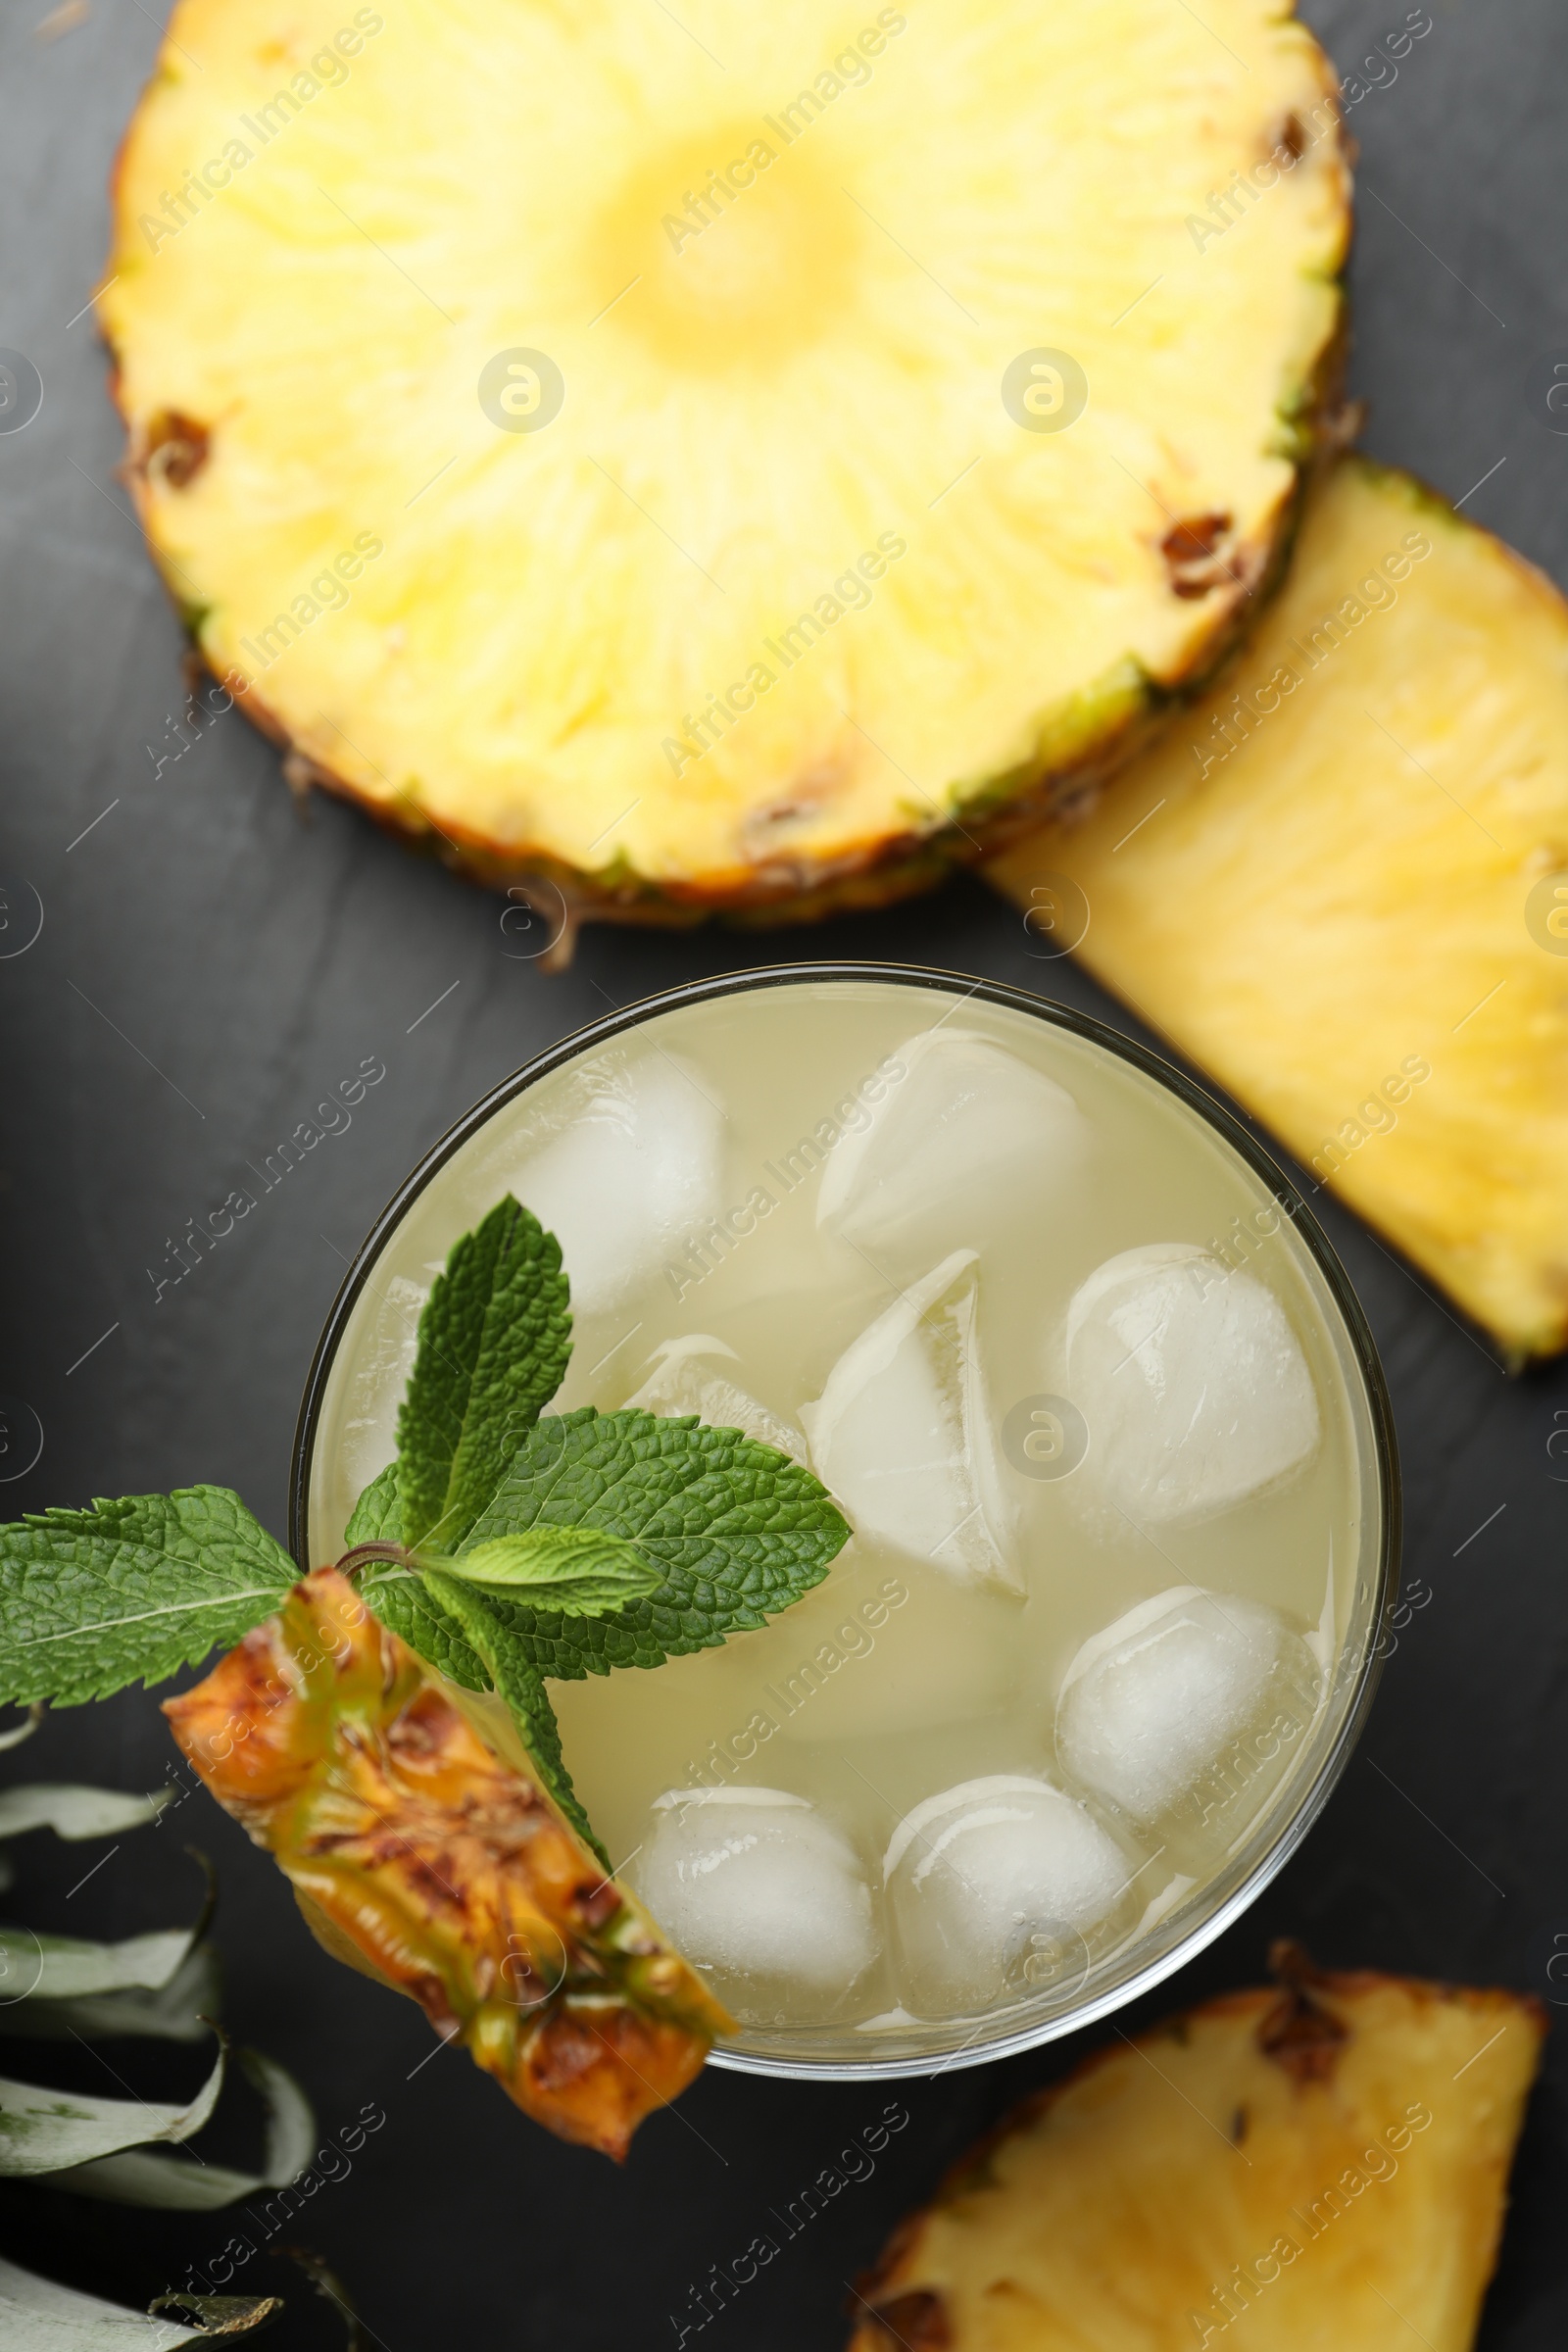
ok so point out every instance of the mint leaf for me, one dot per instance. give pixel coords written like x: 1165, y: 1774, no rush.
x: 378, y: 1516
x: 401, y: 1600
x: 581, y: 1571
x: 738, y: 1531
x: 511, y: 1671
x: 494, y: 1344
x: 130, y: 1590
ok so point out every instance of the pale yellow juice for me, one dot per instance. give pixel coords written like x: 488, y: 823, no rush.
x: 1060, y: 1357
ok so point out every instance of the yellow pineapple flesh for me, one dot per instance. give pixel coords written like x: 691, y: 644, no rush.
x: 1340, y: 885
x: 1322, y: 2169
x: 706, y: 456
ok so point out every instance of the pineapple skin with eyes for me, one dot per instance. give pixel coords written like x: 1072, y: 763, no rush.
x: 1322, y: 2169
x: 1331, y: 885
x: 424, y: 1859
x: 783, y: 610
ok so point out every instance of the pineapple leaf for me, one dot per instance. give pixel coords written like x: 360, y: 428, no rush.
x: 130, y: 1590
x: 73, y: 1812
x: 494, y: 1344
x: 738, y: 1530
x: 45, y: 2130
x: 581, y: 1571
x: 38, y: 2316
x: 63, y: 1968
x: 153, y: 2176
x: 215, y: 2315
x: 177, y: 2011
x: 512, y: 1674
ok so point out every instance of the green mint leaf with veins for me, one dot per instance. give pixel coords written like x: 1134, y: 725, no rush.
x: 737, y: 1530
x: 581, y: 1571
x: 378, y: 1516
x: 511, y: 1675
x: 494, y: 1344
x: 130, y: 1590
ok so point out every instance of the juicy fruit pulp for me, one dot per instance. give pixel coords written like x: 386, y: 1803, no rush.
x: 425, y: 1861
x: 627, y: 451
x: 1340, y: 885
x: 1322, y: 2167
x: 926, y: 1671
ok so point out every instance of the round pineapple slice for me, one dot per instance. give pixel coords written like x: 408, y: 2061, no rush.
x: 703, y: 456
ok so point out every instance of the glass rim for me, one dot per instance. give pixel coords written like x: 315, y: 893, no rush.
x: 1289, y: 1196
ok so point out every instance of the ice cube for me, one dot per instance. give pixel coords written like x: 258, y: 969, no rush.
x: 1158, y: 1700
x: 684, y: 1381
x: 761, y: 1892
x: 1191, y: 1380
x: 634, y: 1175
x: 967, y: 1122
x: 994, y: 1888
x: 901, y: 1433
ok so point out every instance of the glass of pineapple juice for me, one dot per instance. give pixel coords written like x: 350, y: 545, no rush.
x: 1100, y: 1405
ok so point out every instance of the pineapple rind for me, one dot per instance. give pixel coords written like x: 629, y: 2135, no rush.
x: 427, y: 1858
x: 1191, y: 2190
x: 1341, y: 900
x: 528, y: 640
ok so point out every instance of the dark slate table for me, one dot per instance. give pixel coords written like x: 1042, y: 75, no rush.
x: 210, y: 962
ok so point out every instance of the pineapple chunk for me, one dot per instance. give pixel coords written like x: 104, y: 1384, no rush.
x: 1322, y: 2170
x: 425, y: 1861
x: 617, y: 444
x: 1333, y: 886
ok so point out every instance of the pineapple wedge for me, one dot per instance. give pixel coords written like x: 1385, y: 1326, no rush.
x: 1321, y: 2169
x: 718, y: 456
x: 1340, y: 884
x: 423, y: 1859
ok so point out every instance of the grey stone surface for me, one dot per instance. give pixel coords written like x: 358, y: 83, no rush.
x: 209, y: 963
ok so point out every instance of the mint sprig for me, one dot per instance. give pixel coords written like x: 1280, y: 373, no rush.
x: 130, y: 1590
x: 707, y: 1532
x: 502, y: 1546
